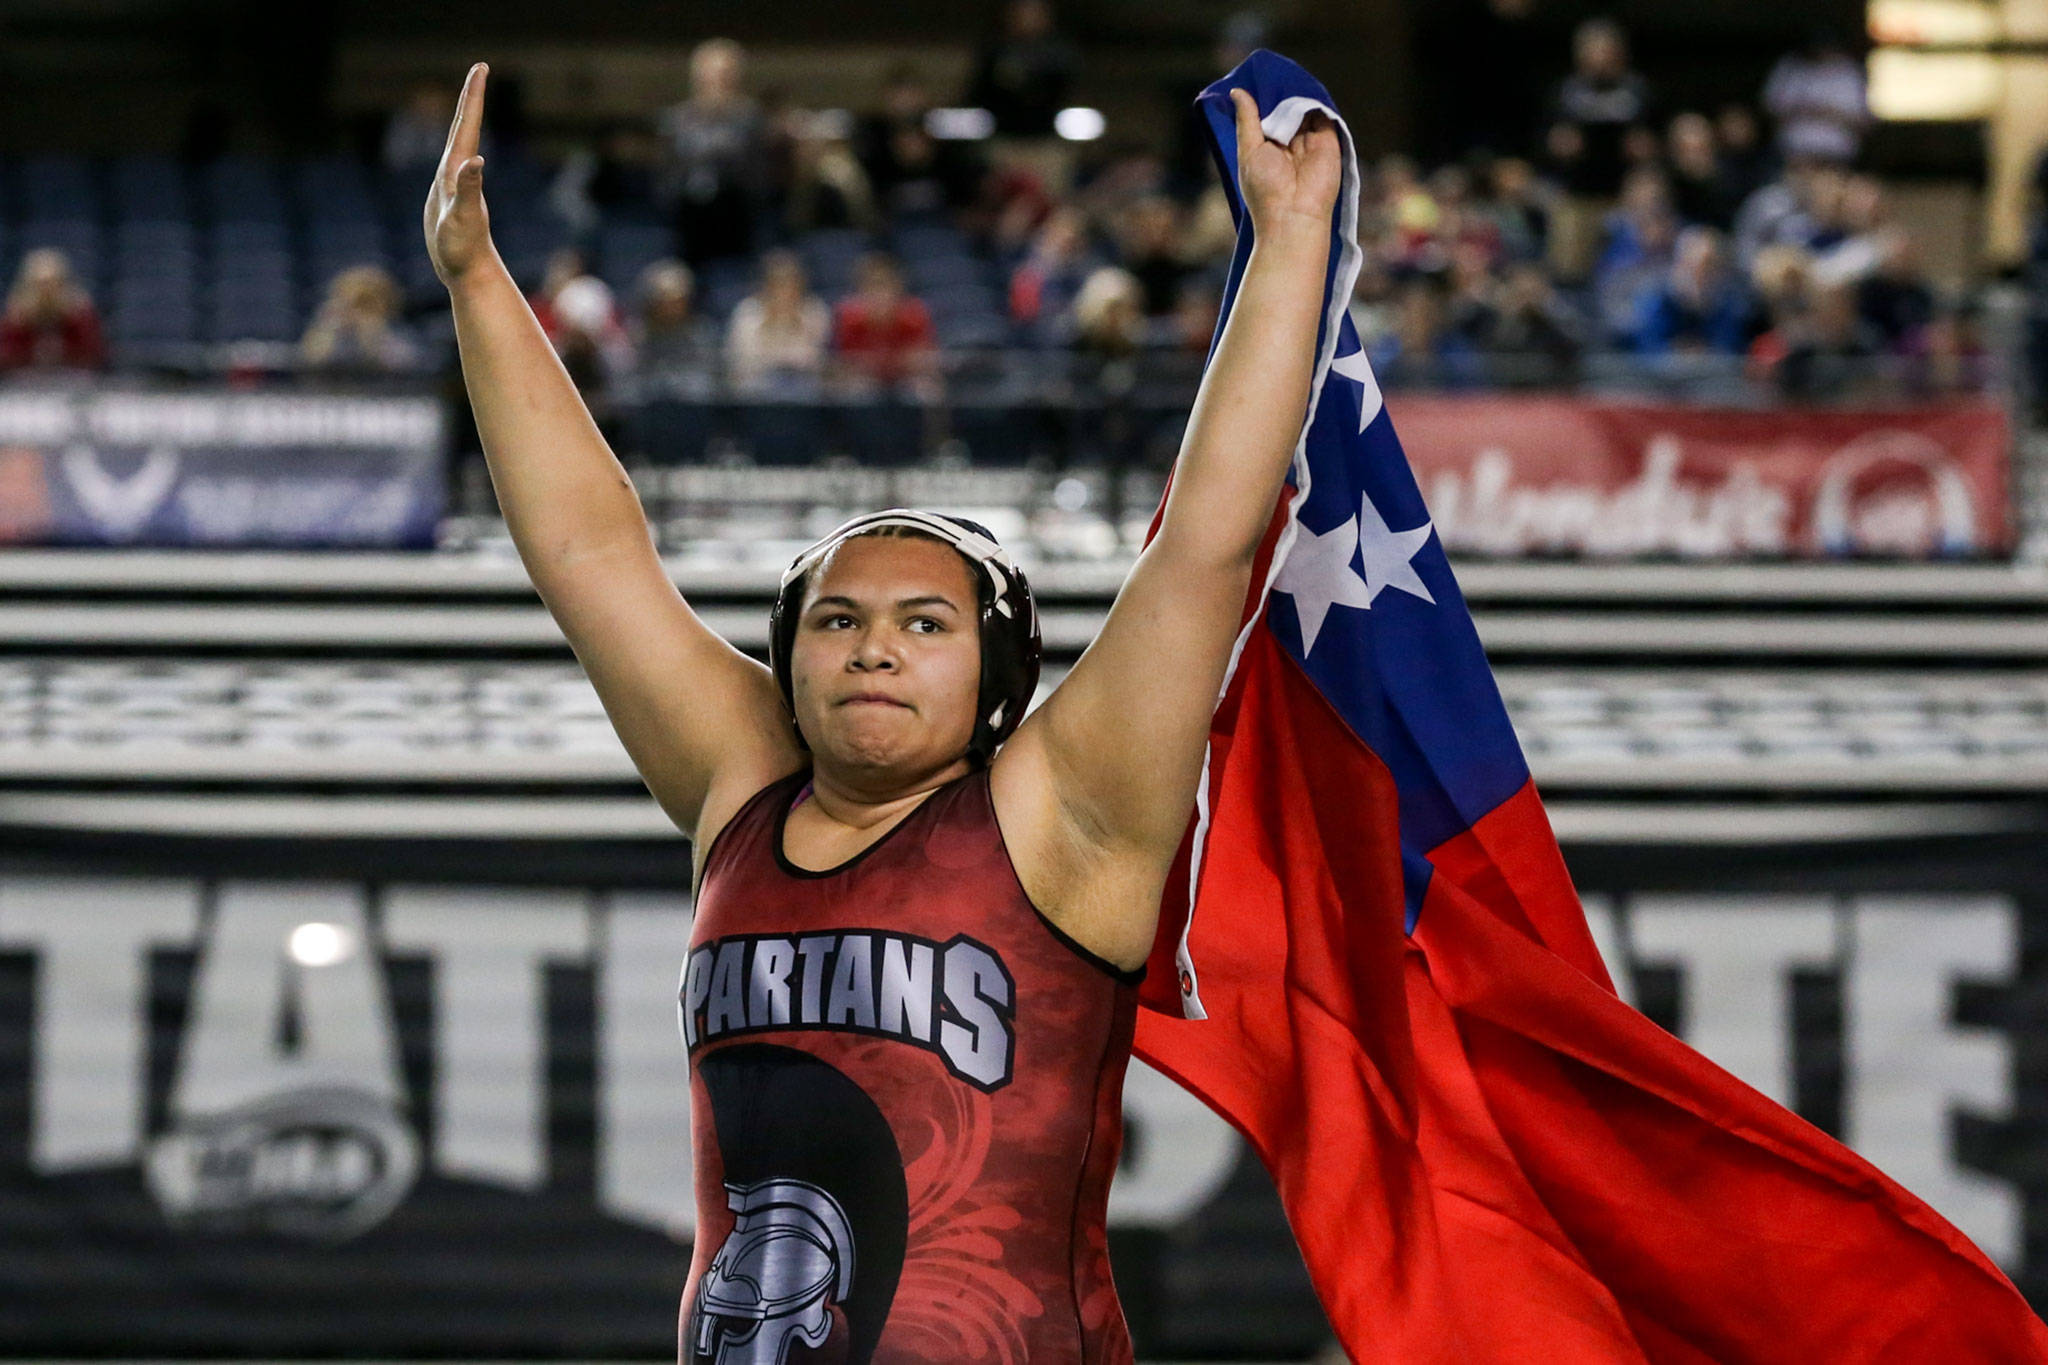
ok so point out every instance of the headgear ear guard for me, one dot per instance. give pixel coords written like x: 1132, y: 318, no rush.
x: 1010, y: 644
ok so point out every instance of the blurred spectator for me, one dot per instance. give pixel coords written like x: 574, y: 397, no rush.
x: 1420, y: 349
x: 1406, y: 219
x: 1598, y: 104
x: 827, y: 186
x: 1106, y: 333
x: 1817, y: 95
x: 1207, y: 231
x: 614, y: 175
x: 881, y: 332
x: 1700, y: 307
x: 1043, y: 286
x: 1469, y: 306
x: 1852, y: 230
x: 50, y: 321
x: 1782, y: 281
x: 1461, y: 220
x: 668, y: 332
x: 1192, y: 324
x: 1109, y: 314
x: 1740, y: 144
x: 1533, y: 332
x: 1023, y: 77
x: 1640, y: 237
x: 717, y: 147
x: 1373, y: 308
x: 1949, y: 355
x: 1641, y: 149
x: 591, y: 340
x: 1701, y: 189
x: 1151, y: 251
x: 1011, y: 204
x: 776, y: 339
x: 1801, y: 208
x: 913, y: 173
x: 356, y: 329
x: 1827, y: 351
x: 417, y: 130
x: 563, y: 265
x: 1518, y: 209
x: 1895, y: 298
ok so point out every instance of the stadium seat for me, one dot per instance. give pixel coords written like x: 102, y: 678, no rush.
x: 152, y: 322
x: 624, y: 249
x: 330, y: 188
x: 722, y: 283
x: 415, y: 270
x: 783, y: 433
x: 946, y: 274
x: 242, y: 187
x: 885, y: 433
x: 232, y: 321
x: 339, y: 233
x: 526, y: 240
x: 930, y: 241
x: 971, y: 330
x: 829, y: 255
x: 149, y: 189
x: 135, y: 238
x: 58, y: 187
x: 672, y: 430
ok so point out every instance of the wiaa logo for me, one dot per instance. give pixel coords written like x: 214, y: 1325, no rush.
x: 324, y: 1163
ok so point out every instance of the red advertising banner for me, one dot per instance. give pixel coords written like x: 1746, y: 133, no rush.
x: 1509, y: 475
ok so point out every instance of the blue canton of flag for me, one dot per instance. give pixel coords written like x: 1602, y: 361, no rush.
x: 1360, y: 591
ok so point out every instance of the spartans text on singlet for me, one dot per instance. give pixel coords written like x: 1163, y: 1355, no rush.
x: 953, y: 999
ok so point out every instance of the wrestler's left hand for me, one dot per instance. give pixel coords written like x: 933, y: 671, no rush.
x: 1285, y: 185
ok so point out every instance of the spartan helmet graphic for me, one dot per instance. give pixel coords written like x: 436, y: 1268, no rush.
x: 811, y: 1169
x: 787, y: 1260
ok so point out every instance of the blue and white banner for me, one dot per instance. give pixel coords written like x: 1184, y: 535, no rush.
x: 120, y: 466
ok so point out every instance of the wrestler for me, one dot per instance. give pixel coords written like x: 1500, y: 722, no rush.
x: 921, y: 914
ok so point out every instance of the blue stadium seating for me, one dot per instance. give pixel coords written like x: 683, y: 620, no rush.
x: 242, y: 189
x: 625, y: 249
x: 58, y: 187
x: 244, y: 247
x: 149, y: 189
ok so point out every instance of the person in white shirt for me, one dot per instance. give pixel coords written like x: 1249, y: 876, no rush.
x: 1819, y: 100
x: 777, y: 339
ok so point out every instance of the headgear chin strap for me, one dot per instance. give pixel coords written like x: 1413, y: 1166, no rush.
x: 1010, y: 645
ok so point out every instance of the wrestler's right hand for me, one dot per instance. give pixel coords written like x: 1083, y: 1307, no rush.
x: 457, y: 223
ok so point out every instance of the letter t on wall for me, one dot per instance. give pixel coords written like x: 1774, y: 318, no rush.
x: 91, y: 936
x: 488, y: 946
x: 1736, y: 955
x: 1909, y: 1065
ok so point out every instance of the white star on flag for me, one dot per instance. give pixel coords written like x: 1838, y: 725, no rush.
x: 1358, y: 369
x: 1317, y: 575
x: 1387, y: 554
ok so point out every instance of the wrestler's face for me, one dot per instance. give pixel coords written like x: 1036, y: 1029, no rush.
x: 886, y: 666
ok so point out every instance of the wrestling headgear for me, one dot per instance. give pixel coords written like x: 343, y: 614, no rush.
x: 1010, y: 645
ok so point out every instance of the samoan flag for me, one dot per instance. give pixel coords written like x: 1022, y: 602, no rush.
x: 1373, y: 963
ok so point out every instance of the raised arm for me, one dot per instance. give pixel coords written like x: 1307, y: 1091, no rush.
x: 1119, y: 742
x: 701, y: 720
